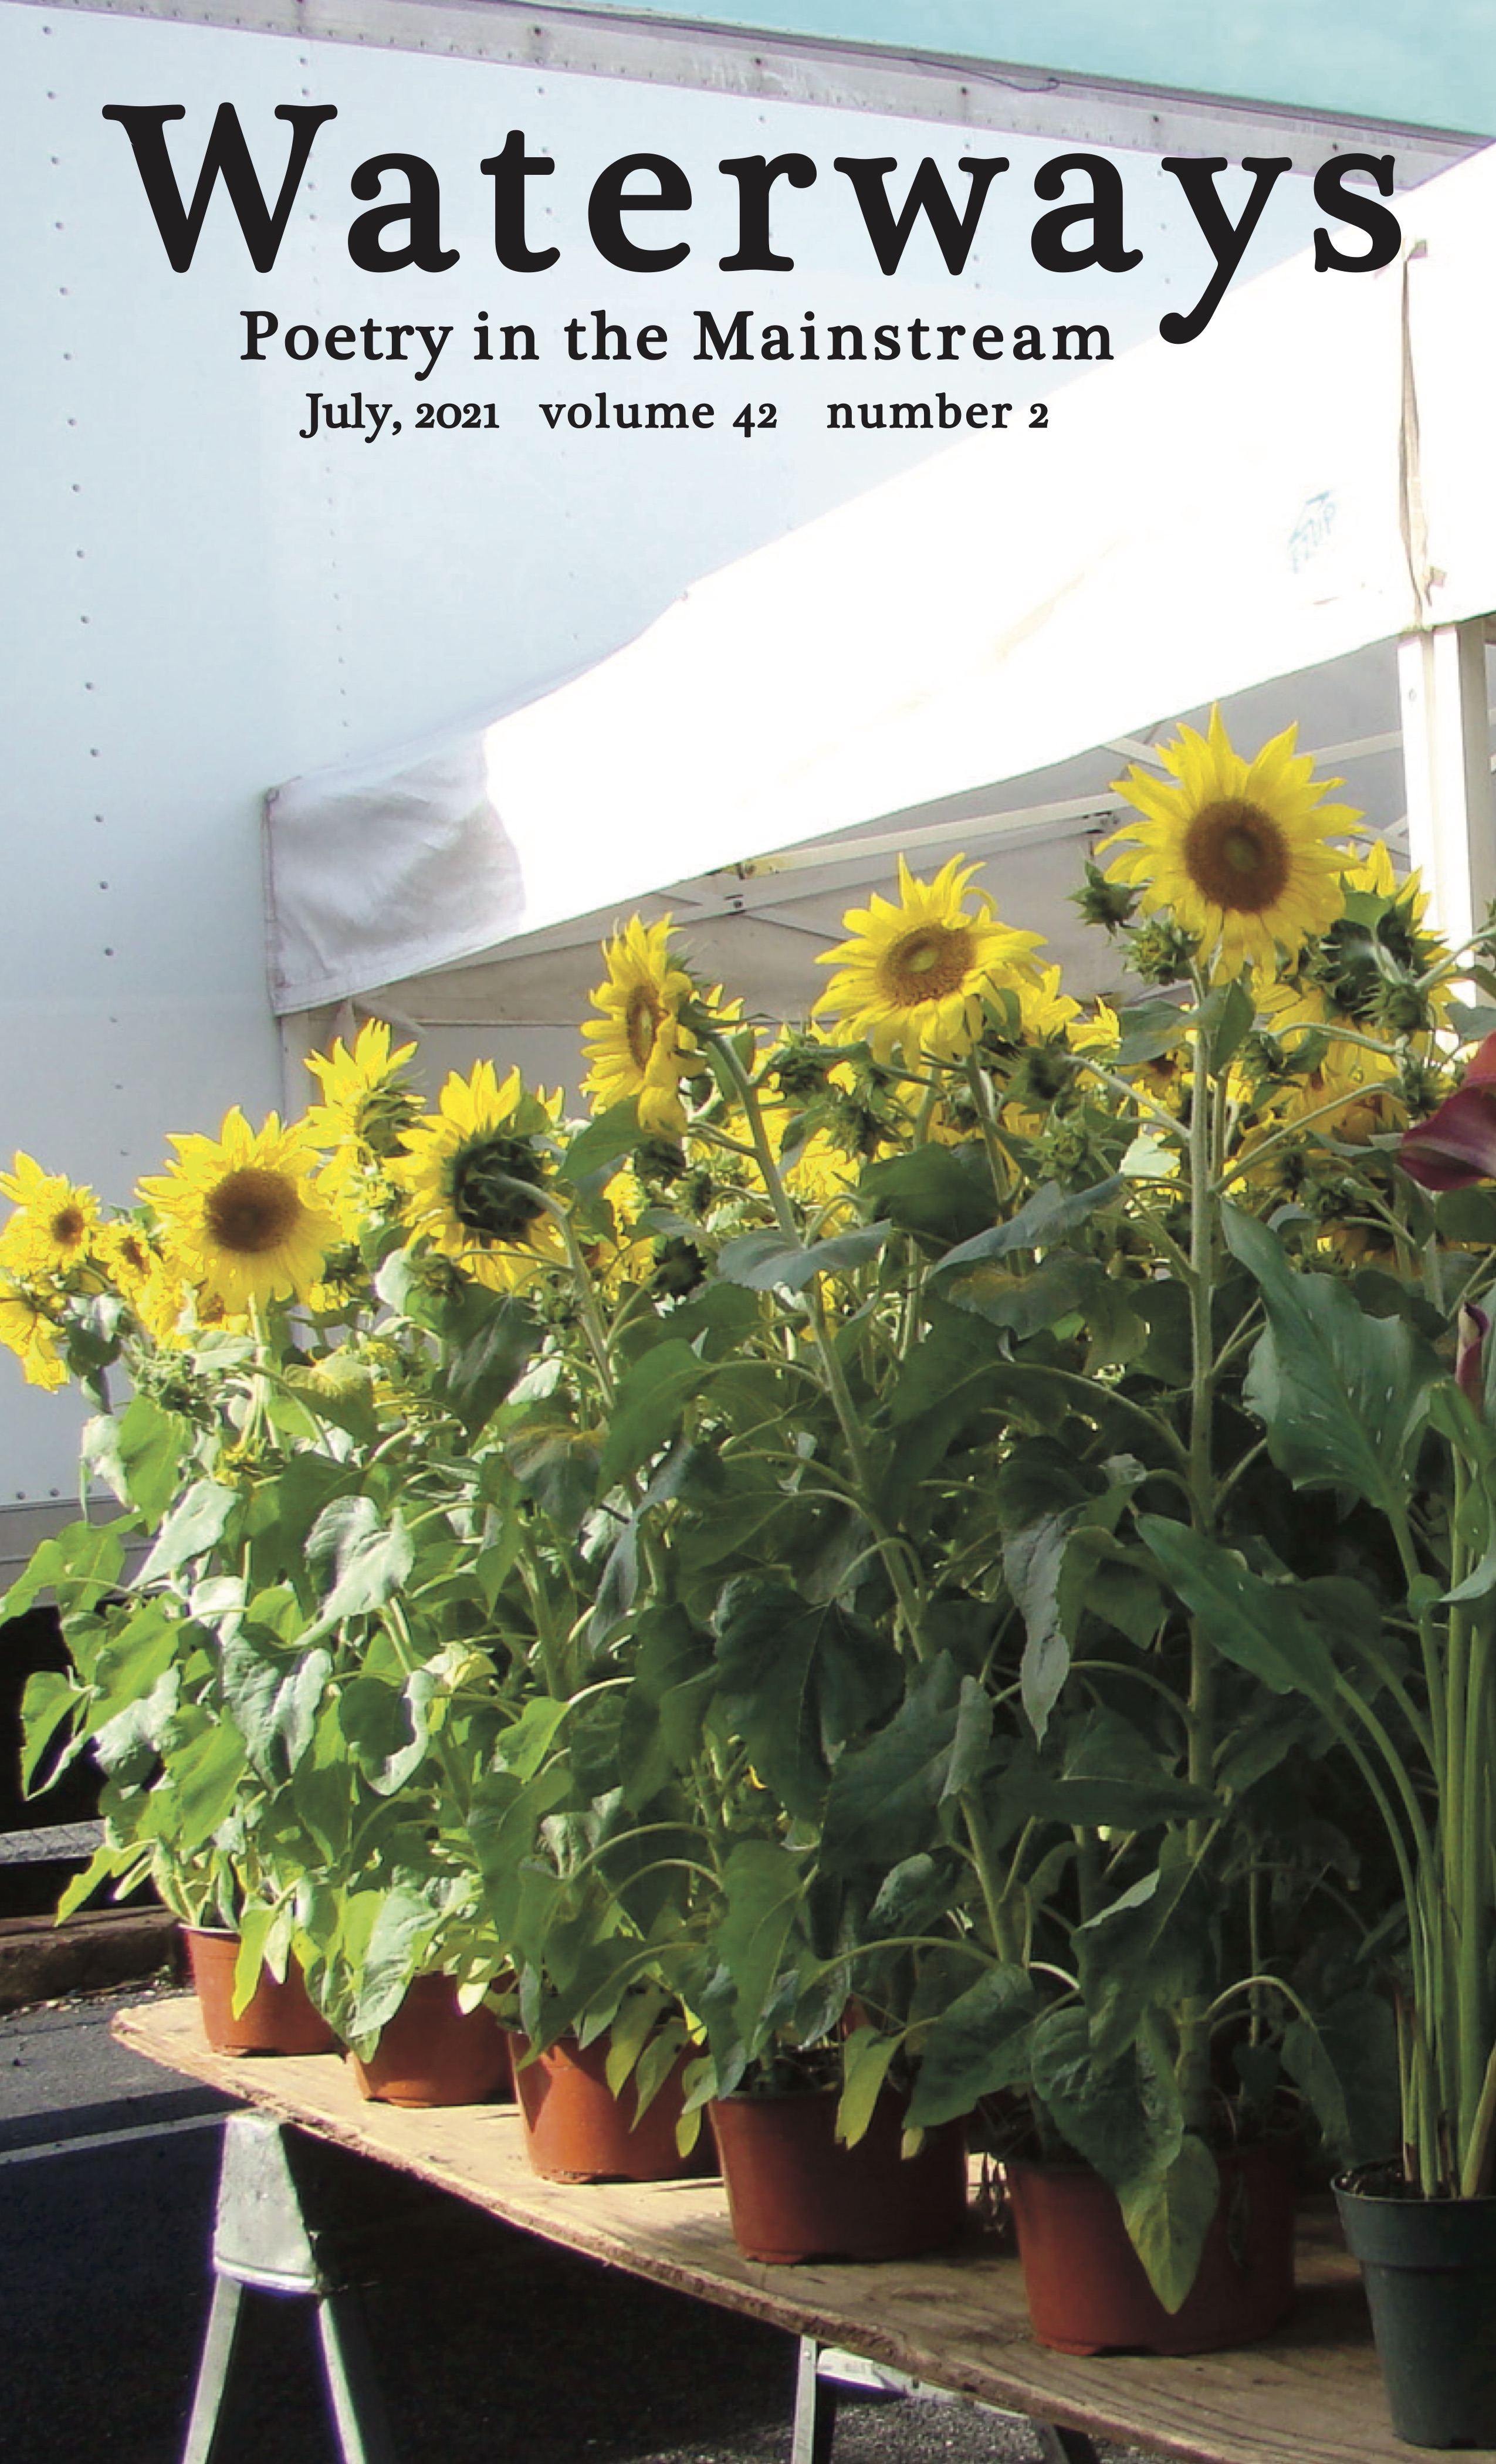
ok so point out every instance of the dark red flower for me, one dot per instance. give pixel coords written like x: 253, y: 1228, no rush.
x: 1473, y: 1328
x: 1456, y: 1146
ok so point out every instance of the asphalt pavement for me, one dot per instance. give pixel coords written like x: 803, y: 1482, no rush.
x: 491, y: 2347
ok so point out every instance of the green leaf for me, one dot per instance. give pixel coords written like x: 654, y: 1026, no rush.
x: 404, y: 1926
x: 1109, y: 1776
x: 275, y: 1695
x: 1024, y: 1303
x: 939, y: 1193
x: 866, y: 2055
x: 798, y: 1680
x: 1343, y: 1396
x: 482, y: 1370
x: 45, y: 1704
x: 203, y: 1778
x: 637, y: 2017
x: 524, y: 1747
x: 1144, y: 1952
x: 341, y: 1391
x: 1151, y: 1028
x: 1472, y: 1023
x: 193, y: 1526
x: 763, y: 1261
x: 1123, y: 2118
x: 1358, y: 2039
x: 979, y: 2045
x: 504, y: 1815
x: 646, y: 1411
x: 255, y: 1920
x: 884, y: 1801
x: 955, y: 1386
x: 134, y: 1657
x: 1046, y: 1582
x: 77, y: 1564
x: 1043, y: 1219
x: 1467, y: 1214
x: 911, y: 1896
x: 1226, y: 1017
x: 614, y: 1133
x: 556, y: 1463
x: 1256, y: 1623
x: 1118, y: 1332
x: 761, y: 1885
x: 388, y: 1727
x: 361, y: 1560
x: 139, y: 1454
x: 1168, y: 2211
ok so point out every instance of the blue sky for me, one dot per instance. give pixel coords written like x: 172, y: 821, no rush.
x: 1392, y: 59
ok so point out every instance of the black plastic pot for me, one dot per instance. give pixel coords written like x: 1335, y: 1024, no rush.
x: 1429, y: 2267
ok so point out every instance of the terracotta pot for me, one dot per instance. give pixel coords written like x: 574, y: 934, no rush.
x: 278, y: 2018
x: 1087, y: 2292
x: 577, y: 2130
x: 433, y: 2053
x: 794, y: 2193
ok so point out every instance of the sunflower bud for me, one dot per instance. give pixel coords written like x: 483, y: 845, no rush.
x: 1100, y: 901
x: 1162, y: 952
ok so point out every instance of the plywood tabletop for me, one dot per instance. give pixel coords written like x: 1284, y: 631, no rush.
x: 1310, y: 2394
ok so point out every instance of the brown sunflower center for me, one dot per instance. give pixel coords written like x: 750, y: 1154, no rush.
x: 67, y: 1227
x: 1237, y: 857
x: 252, y: 1210
x: 927, y: 964
x: 642, y: 1023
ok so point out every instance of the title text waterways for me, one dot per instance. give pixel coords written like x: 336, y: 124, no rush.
x: 1085, y: 229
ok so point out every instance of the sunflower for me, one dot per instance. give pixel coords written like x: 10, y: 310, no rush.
x: 54, y: 1223
x: 639, y: 1047
x: 1047, y: 1011
x: 131, y: 1260
x: 27, y: 1330
x: 913, y: 975
x: 1238, y: 852
x: 469, y: 1171
x: 366, y: 1106
x: 241, y: 1215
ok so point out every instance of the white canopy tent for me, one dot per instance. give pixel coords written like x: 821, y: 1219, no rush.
x: 956, y: 660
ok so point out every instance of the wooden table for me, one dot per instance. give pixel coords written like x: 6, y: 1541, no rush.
x: 1311, y: 2394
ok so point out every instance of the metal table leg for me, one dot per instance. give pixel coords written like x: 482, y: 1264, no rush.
x: 262, y: 2238
x: 1059, y: 2445
x: 822, y: 2368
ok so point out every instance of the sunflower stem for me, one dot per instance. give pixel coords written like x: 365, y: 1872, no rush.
x: 997, y: 1164
x: 889, y: 1546
x: 1205, y: 1126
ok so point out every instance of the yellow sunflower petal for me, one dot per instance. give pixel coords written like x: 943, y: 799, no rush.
x: 638, y: 1048
x: 241, y: 1214
x: 1239, y: 851
x: 467, y: 1168
x: 913, y: 976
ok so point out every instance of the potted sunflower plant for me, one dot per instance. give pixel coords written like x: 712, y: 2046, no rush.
x: 173, y: 1298
x: 1318, y: 1284
x: 989, y: 1281
x: 279, y: 1641
x: 1094, y: 1273
x: 1298, y: 1016
x: 1377, y: 1405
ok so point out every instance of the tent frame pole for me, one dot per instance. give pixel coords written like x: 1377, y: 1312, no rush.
x: 1446, y: 760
